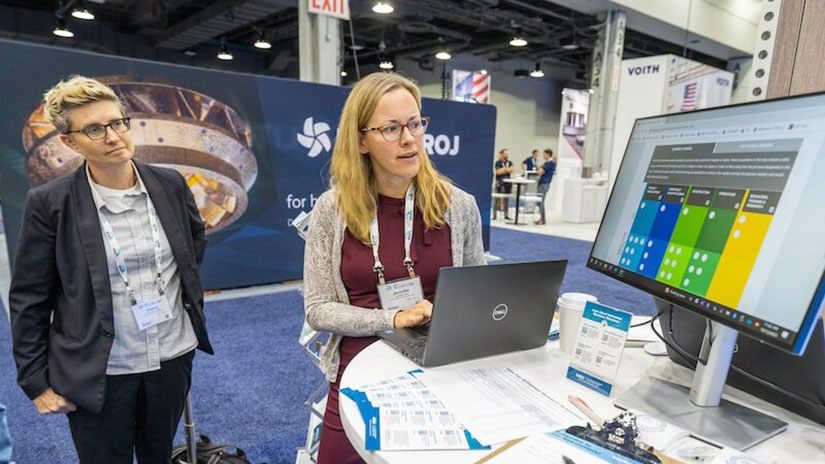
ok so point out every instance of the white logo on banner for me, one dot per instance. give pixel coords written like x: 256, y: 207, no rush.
x: 441, y: 144
x: 315, y: 137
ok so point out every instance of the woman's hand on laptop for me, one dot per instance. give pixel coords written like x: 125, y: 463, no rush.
x: 417, y: 315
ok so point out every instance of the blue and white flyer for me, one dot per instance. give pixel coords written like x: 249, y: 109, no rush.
x: 599, y: 347
x: 402, y: 414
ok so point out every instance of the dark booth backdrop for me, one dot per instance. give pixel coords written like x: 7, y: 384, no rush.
x: 255, y: 150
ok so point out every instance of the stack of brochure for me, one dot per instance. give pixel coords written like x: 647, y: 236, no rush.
x: 402, y: 414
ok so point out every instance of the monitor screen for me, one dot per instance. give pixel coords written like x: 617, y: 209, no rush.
x: 722, y: 212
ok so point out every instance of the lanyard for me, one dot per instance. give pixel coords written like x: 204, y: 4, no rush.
x: 116, y: 251
x: 409, y: 208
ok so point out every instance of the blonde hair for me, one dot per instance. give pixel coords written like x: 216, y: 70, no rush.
x: 73, y: 93
x: 356, y: 190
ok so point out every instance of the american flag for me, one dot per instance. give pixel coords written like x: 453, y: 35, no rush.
x: 481, y: 87
x: 471, y: 87
x: 689, y: 97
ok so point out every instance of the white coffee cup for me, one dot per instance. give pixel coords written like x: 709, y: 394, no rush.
x: 571, y: 307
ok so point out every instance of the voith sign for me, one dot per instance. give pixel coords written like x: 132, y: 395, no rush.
x: 335, y: 8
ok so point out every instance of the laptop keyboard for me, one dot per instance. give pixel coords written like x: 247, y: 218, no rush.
x: 415, y: 345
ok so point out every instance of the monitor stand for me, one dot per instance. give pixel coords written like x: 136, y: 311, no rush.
x: 701, y: 410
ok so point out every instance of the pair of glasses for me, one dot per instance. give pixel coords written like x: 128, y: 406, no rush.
x: 392, y: 131
x: 98, y: 131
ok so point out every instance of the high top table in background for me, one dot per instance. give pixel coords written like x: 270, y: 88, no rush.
x: 519, y: 181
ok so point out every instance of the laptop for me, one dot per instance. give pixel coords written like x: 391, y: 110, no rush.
x: 483, y: 311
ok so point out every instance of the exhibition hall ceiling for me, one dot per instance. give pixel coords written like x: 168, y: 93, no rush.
x: 557, y: 37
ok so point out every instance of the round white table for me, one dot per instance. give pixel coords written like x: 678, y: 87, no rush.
x: 803, y: 442
x: 518, y: 181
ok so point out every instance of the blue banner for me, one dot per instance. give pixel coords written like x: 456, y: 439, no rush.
x: 255, y: 150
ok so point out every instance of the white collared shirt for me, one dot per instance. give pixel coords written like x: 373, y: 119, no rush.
x: 134, y: 351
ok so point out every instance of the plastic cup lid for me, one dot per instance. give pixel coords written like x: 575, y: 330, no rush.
x: 576, y: 299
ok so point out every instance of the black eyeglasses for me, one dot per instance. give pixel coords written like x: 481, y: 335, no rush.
x: 98, y: 131
x: 392, y: 131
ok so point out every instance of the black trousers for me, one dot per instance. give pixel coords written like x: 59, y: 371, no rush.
x: 140, y: 416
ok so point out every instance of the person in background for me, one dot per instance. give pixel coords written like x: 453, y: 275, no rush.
x: 105, y: 299
x: 546, y: 172
x: 386, y: 197
x: 531, y: 163
x: 503, y: 168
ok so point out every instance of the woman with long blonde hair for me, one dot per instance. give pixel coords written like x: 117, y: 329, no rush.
x: 388, y: 216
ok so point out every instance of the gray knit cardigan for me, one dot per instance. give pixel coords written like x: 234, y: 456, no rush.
x: 325, y: 298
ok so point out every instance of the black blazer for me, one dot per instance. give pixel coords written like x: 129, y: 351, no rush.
x: 60, y: 299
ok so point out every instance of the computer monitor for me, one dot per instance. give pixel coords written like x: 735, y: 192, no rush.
x: 719, y: 211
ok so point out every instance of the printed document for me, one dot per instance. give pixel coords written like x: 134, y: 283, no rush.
x: 499, y: 404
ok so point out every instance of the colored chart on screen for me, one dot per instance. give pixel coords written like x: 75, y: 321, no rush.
x: 701, y: 229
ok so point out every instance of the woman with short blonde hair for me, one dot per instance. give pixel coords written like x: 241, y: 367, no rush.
x: 389, y: 215
x: 115, y: 358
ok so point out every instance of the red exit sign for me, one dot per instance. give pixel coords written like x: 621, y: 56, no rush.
x: 336, y: 8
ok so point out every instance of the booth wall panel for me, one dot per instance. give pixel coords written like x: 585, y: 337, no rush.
x: 809, y: 66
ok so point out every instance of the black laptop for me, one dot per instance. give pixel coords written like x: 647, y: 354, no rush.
x: 482, y: 311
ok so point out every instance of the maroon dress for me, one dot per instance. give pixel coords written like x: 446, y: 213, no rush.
x: 430, y: 250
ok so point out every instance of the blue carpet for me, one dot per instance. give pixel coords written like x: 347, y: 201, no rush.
x: 251, y: 393
x: 536, y: 247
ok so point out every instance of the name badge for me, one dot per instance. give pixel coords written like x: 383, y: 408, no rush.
x: 152, y: 312
x: 401, y: 294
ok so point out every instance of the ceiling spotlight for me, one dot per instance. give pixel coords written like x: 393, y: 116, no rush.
x: 262, y: 44
x: 61, y: 30
x: 517, y: 41
x: 537, y: 73
x: 382, y: 8
x: 190, y: 52
x: 590, y: 91
x: 343, y: 74
x: 225, y: 54
x: 83, y: 13
x: 483, y: 72
x: 386, y: 64
x: 443, y: 55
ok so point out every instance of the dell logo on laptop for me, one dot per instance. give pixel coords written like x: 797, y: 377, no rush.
x: 500, y: 311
